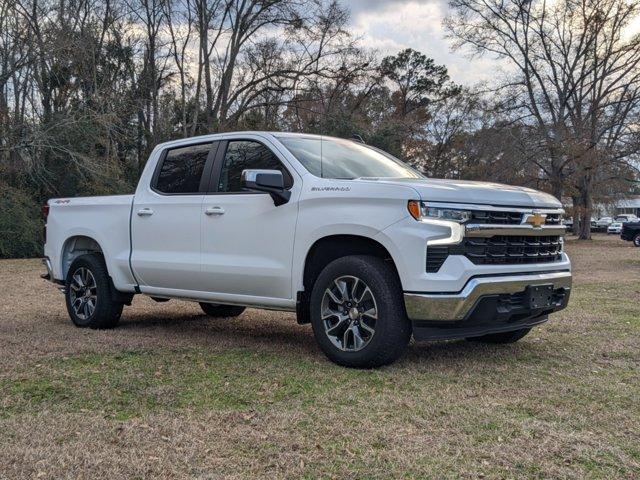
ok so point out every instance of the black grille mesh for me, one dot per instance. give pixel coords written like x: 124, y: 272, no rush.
x: 498, y: 250
x: 493, y: 217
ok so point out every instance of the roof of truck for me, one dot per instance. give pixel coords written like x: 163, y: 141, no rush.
x: 213, y: 136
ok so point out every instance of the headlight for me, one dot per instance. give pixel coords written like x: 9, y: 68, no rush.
x: 420, y: 210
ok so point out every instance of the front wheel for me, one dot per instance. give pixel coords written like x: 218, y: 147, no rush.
x: 636, y: 240
x: 88, y: 294
x: 357, y: 312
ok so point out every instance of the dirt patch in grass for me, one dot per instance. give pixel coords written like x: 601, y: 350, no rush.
x: 173, y: 394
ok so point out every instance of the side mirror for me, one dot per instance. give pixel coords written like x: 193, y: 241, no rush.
x: 269, y: 181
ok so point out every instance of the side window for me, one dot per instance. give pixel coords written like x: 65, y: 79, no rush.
x: 182, y: 169
x: 246, y: 154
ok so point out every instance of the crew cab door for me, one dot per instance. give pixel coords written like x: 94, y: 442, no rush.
x: 247, y: 242
x: 166, y: 220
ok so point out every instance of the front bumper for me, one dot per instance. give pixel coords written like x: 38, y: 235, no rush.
x: 486, y: 304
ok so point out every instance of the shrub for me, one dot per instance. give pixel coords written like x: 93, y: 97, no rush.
x: 20, y: 224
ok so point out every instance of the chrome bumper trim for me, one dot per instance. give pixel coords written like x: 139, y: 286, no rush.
x: 455, y: 307
x: 480, y: 230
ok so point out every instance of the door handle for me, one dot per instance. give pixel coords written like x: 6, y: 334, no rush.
x: 145, y: 212
x: 214, y: 211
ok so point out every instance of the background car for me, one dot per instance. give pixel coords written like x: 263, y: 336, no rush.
x: 626, y: 217
x: 603, y: 223
x: 614, y: 228
x: 631, y: 232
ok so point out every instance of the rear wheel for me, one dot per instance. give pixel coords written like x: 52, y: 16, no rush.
x: 503, y: 337
x: 88, y: 294
x: 221, y: 311
x: 357, y: 312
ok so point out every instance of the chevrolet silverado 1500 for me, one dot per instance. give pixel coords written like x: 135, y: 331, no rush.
x: 364, y: 248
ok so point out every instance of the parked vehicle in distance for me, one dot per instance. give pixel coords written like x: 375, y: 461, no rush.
x: 626, y: 217
x: 603, y: 223
x: 360, y: 245
x: 614, y: 228
x: 631, y: 232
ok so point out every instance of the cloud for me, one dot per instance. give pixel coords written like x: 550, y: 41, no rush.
x: 393, y: 25
x: 364, y: 6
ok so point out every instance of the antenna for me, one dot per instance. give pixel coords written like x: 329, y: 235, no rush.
x: 357, y: 138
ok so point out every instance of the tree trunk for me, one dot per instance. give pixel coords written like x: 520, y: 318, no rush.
x: 557, y: 187
x: 585, y: 207
x: 575, y: 228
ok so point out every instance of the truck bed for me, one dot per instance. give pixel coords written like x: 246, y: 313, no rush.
x: 105, y: 219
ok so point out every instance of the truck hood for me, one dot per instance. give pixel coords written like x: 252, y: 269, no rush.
x: 483, y: 193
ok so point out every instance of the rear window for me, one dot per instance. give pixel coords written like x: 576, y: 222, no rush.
x: 182, y: 169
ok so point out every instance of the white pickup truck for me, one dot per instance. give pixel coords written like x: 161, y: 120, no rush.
x: 363, y: 247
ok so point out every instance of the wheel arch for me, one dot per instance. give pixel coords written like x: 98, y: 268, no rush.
x: 329, y: 248
x: 78, y: 245
x: 75, y: 246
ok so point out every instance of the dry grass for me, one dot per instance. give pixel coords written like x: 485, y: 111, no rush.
x: 172, y: 394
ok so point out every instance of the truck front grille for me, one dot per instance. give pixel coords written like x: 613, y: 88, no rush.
x: 498, y: 250
x: 494, y: 217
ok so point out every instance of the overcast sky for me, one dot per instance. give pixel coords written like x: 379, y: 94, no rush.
x: 392, y: 25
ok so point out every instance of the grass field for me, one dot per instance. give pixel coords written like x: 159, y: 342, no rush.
x: 173, y: 394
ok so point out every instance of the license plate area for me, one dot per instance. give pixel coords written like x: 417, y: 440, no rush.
x: 539, y: 296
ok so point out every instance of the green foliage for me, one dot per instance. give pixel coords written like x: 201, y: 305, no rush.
x: 418, y: 79
x: 20, y: 224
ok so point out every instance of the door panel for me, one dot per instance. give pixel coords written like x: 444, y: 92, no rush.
x: 166, y: 220
x: 166, y: 244
x: 247, y: 242
x: 248, y: 249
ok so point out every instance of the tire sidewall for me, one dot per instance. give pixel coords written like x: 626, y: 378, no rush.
x: 391, y: 326
x: 636, y: 240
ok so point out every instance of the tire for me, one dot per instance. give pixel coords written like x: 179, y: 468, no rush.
x: 503, y: 337
x: 391, y: 327
x: 221, y: 311
x: 636, y: 240
x: 88, y: 294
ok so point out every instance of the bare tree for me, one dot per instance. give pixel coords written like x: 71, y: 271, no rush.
x: 150, y: 15
x: 577, y: 79
x: 180, y: 15
x: 211, y: 16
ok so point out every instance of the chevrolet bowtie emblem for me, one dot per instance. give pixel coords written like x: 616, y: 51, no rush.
x: 536, y: 219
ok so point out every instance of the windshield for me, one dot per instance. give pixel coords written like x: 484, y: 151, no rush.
x: 345, y: 159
